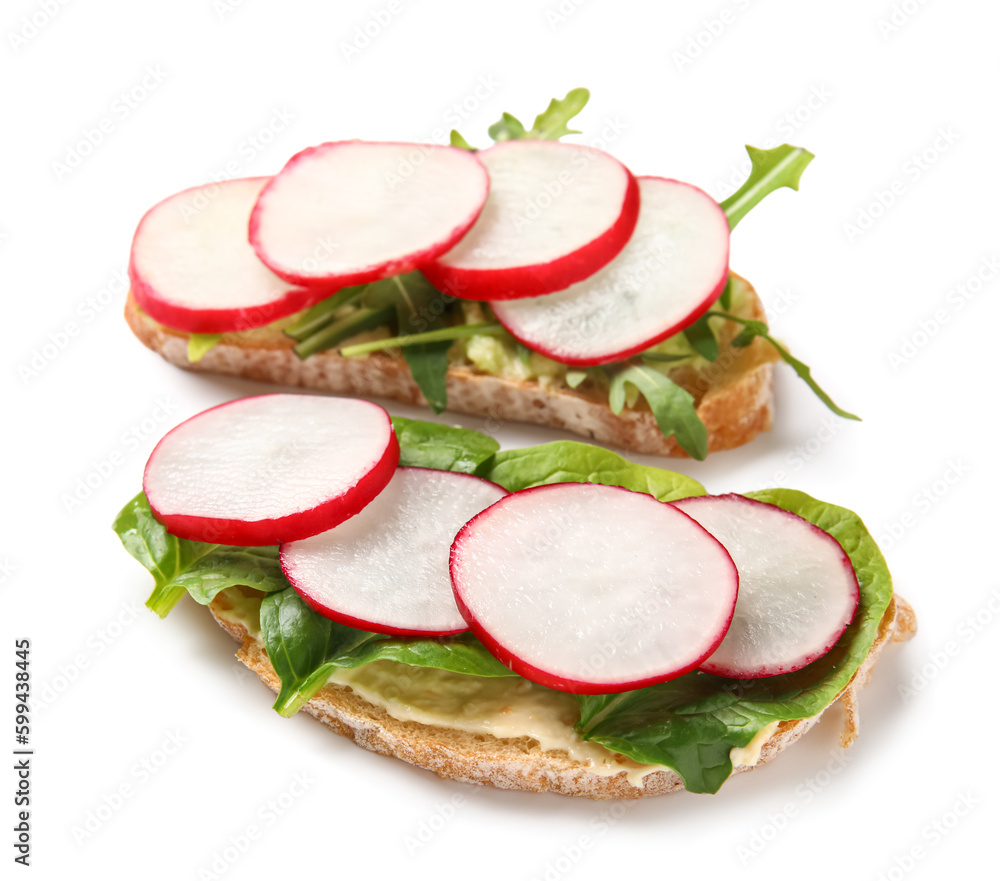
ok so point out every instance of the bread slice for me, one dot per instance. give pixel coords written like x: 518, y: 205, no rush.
x: 734, y: 395
x: 520, y: 763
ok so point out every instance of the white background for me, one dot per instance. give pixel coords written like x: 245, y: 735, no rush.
x: 883, y: 93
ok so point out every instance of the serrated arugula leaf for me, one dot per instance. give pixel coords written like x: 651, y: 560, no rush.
x: 445, y: 447
x: 199, y: 568
x: 692, y: 723
x: 673, y: 408
x: 575, y: 462
x: 770, y: 170
x: 200, y: 344
x: 753, y: 329
x: 304, y: 648
x: 551, y: 123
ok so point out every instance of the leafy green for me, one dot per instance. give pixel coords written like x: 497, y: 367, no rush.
x: 200, y: 344
x: 575, y: 462
x: 304, y: 649
x: 428, y: 361
x: 550, y: 124
x: 753, y: 329
x: 770, y: 170
x: 335, y: 332
x: 322, y: 314
x: 673, y: 408
x: 178, y: 565
x: 456, y: 332
x: 702, y: 340
x: 445, y: 447
x: 691, y: 723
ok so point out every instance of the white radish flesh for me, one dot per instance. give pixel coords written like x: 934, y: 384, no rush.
x: 350, y: 212
x: 593, y: 589
x: 192, y: 267
x: 798, y: 590
x: 268, y: 469
x: 386, y: 569
x: 672, y: 269
x: 556, y: 214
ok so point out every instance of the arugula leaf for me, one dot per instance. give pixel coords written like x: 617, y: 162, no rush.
x: 319, y: 316
x: 551, y: 124
x: 691, y: 723
x: 702, y: 340
x: 456, y: 140
x: 456, y: 332
x: 673, y: 407
x: 576, y: 462
x: 445, y: 447
x: 753, y: 329
x: 770, y: 170
x: 507, y: 128
x: 335, y: 332
x: 428, y: 362
x: 179, y: 565
x: 200, y: 344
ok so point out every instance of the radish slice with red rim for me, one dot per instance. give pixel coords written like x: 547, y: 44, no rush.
x: 386, y: 569
x: 349, y: 212
x: 798, y: 589
x: 192, y: 268
x: 673, y: 268
x: 268, y: 469
x: 593, y: 589
x: 556, y: 214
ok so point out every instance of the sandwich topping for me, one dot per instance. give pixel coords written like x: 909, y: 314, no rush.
x: 582, y: 680
x: 533, y: 259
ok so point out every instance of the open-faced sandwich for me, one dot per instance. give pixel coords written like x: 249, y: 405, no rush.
x: 535, y: 280
x: 554, y: 618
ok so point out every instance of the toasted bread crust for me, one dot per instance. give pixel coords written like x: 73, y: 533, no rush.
x: 734, y: 396
x: 508, y: 763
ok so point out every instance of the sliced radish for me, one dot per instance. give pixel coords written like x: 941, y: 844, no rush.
x: 798, y: 590
x: 349, y: 212
x: 672, y: 269
x: 593, y: 589
x: 268, y: 469
x: 386, y: 569
x: 556, y: 214
x: 193, y: 269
